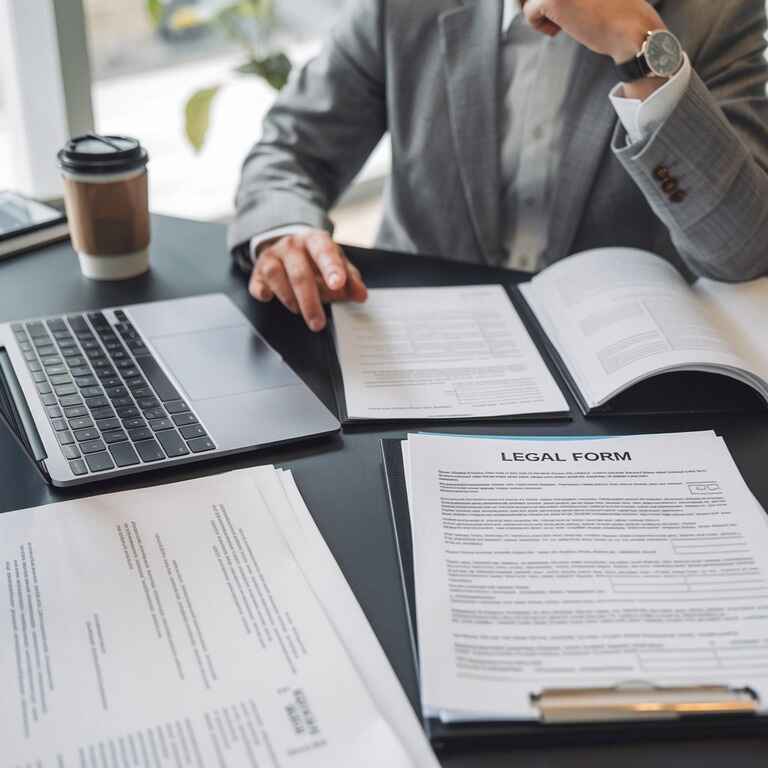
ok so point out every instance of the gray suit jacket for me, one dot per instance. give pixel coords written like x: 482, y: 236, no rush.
x: 426, y: 71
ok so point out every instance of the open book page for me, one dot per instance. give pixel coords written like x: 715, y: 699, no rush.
x: 740, y: 312
x: 619, y: 315
x: 173, y: 625
x: 440, y: 353
x: 583, y: 563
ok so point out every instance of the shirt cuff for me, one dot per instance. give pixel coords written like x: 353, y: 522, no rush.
x: 642, y: 118
x: 262, y: 240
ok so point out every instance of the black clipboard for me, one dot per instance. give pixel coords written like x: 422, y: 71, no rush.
x: 478, y: 735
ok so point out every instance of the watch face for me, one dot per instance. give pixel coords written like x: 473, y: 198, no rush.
x: 663, y: 53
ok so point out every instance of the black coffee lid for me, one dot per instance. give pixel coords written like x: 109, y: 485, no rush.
x: 102, y: 154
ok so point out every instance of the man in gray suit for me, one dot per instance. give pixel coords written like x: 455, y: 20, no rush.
x: 521, y: 133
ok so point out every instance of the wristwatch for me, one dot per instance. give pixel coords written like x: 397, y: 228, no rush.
x: 661, y: 56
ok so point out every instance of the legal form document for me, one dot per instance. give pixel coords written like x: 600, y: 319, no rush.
x: 582, y: 563
x: 174, y: 626
x: 455, y: 353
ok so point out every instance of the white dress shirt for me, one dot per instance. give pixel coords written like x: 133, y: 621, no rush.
x: 535, y: 72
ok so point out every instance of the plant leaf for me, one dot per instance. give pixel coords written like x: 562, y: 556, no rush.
x: 197, y: 114
x: 274, y: 69
x: 155, y: 11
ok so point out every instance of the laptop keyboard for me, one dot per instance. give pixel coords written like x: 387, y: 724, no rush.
x: 109, y: 402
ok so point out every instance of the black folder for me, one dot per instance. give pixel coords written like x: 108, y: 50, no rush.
x: 530, y: 733
x: 684, y: 392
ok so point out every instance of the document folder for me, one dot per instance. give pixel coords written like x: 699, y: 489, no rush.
x: 629, y: 711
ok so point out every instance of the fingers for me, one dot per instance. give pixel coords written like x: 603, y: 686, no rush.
x: 301, y: 275
x: 356, y: 289
x: 329, y: 259
x: 259, y: 289
x: 272, y: 272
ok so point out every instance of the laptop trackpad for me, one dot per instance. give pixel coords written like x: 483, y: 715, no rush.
x: 222, y: 362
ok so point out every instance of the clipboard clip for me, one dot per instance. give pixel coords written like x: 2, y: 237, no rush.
x: 638, y: 700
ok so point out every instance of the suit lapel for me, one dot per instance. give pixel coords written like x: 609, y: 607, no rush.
x: 470, y: 44
x: 588, y: 125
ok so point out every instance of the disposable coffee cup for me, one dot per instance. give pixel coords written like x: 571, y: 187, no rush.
x: 106, y: 196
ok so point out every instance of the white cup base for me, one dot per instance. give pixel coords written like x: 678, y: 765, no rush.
x: 119, y: 267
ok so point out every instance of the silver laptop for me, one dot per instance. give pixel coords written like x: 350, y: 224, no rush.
x: 96, y: 395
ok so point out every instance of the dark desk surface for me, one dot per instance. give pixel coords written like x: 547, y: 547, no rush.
x: 341, y: 478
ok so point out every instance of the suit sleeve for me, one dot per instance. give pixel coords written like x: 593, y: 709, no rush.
x: 319, y: 132
x: 704, y: 171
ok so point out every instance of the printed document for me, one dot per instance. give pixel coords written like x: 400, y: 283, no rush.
x: 547, y: 564
x: 174, y: 626
x: 440, y: 353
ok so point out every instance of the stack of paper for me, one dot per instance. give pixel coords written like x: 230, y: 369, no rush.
x: 582, y: 563
x: 203, y: 623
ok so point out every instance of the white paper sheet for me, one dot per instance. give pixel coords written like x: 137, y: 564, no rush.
x: 601, y: 562
x: 440, y: 353
x: 171, y: 626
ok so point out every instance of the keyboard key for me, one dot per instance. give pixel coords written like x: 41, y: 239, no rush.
x: 106, y: 424
x: 70, y: 451
x: 200, y: 444
x: 154, y: 413
x: 115, y: 436
x: 157, y: 378
x: 61, y: 378
x: 193, y: 430
x: 139, y: 433
x: 104, y: 412
x: 121, y: 316
x: 182, y: 419
x: 59, y: 424
x: 107, y: 373
x: 56, y: 370
x: 81, y: 422
x: 110, y: 381
x: 176, y: 406
x: 70, y: 400
x: 75, y: 411
x: 98, y: 320
x: 84, y: 435
x: 172, y: 444
x: 118, y: 391
x: 128, y: 412
x: 129, y: 372
x: 30, y: 356
x: 76, y: 362
x: 54, y: 412
x: 91, y: 344
x: 86, y: 381
x: 65, y: 438
x: 149, y: 450
x: 39, y: 377
x: 44, y: 389
x: 143, y: 391
x: 97, y: 402
x: 34, y: 366
x: 49, y: 399
x: 56, y: 324
x: 77, y: 323
x: 99, y: 462
x: 147, y: 402
x: 122, y: 402
x: 78, y: 467
x: 66, y: 389
x: 47, y: 350
x: 118, y: 354
x: 70, y: 352
x: 92, y: 446
x: 160, y: 424
x: 124, y: 454
x: 36, y: 329
x: 91, y: 391
x: 101, y: 363
x: 134, y: 423
x: 81, y: 370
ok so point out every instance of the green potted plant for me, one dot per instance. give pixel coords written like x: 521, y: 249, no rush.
x: 249, y: 23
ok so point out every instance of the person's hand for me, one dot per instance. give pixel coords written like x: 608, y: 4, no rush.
x: 615, y: 28
x: 304, y: 271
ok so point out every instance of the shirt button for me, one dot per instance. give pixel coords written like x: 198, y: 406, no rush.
x: 679, y: 196
x: 661, y: 172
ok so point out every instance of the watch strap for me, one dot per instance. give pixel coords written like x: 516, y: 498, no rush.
x: 635, y: 69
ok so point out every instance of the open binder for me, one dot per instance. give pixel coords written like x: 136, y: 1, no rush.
x: 680, y: 392
x: 630, y: 710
